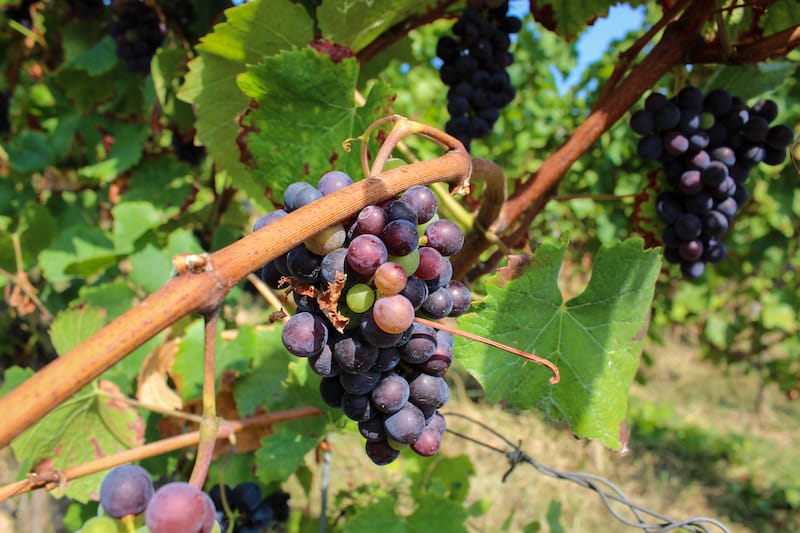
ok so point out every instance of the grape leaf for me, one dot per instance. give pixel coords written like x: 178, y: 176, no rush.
x: 356, y: 23
x: 251, y: 32
x: 73, y: 326
x: 281, y: 453
x: 88, y: 426
x: 97, y: 60
x: 298, y: 129
x: 595, y: 338
x: 751, y: 80
x: 572, y: 16
x: 780, y: 16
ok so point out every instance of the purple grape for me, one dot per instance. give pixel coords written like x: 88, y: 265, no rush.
x: 756, y: 129
x: 406, y: 425
x: 462, y: 298
x: 333, y: 181
x: 445, y: 236
x: 718, y: 102
x: 181, y: 507
x: 299, y: 194
x: 126, y: 490
x: 366, y: 253
x: 331, y: 391
x: 650, y: 147
x: 724, y: 155
x: 427, y: 391
x: 643, y: 122
x: 399, y: 210
x: 353, y: 354
x: 269, y: 218
x: 688, y: 227
x: 304, y: 335
x: 358, y: 407
x: 691, y: 250
x: 430, y: 263
x: 371, y: 220
x: 380, y: 452
x: 691, y: 182
x: 388, y: 359
x: 438, y: 304
x: 421, y: 346
x: 400, y: 237
x: 669, y: 206
x: 391, y: 393
x: 416, y: 291
x: 303, y: 264
x: 714, y: 174
x: 675, y: 143
x: 690, y: 97
x: 373, y: 429
x: 668, y: 116
x: 692, y: 269
x: 766, y: 108
x: 780, y: 136
x: 715, y: 251
x: 324, y: 364
x: 428, y: 443
x: 422, y: 201
x: 358, y: 384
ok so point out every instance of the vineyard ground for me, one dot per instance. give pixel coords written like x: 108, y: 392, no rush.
x: 699, y: 446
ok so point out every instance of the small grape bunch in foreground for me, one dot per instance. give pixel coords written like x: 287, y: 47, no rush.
x: 127, y: 497
x: 358, y: 287
x: 474, y: 68
x: 249, y: 511
x: 707, y: 145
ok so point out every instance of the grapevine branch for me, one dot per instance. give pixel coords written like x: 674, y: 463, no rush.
x: 54, y: 479
x: 201, y: 290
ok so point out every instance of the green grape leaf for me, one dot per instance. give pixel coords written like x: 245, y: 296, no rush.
x: 126, y: 150
x: 781, y: 15
x: 35, y: 230
x: 113, y: 298
x: 252, y: 31
x: 263, y: 384
x: 298, y: 129
x: 435, y: 513
x: 572, y: 17
x: 355, y: 24
x: 752, y: 80
x: 377, y: 516
x: 14, y: 376
x: 80, y: 250
x: 73, y: 326
x: 595, y: 338
x: 97, y: 60
x: 281, y: 453
x: 231, y: 356
x: 132, y: 220
x: 29, y: 151
x: 88, y: 426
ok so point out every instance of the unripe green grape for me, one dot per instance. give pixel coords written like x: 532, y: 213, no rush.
x: 326, y: 240
x: 100, y: 524
x: 393, y: 162
x: 360, y: 297
x: 409, y: 262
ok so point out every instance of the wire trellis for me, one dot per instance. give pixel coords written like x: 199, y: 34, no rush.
x: 642, y: 518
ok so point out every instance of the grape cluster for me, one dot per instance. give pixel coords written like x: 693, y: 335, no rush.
x: 249, y: 510
x: 707, y: 145
x: 127, y: 493
x: 137, y: 31
x: 358, y: 287
x: 474, y: 68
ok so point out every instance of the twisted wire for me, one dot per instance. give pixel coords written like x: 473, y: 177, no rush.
x: 645, y: 519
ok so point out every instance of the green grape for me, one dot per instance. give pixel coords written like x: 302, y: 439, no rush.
x: 360, y: 297
x: 409, y: 262
x: 393, y: 162
x: 101, y: 524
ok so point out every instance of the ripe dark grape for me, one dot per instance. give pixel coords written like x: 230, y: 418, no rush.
x: 391, y: 393
x: 380, y: 452
x: 333, y: 181
x: 371, y: 220
x: 427, y: 391
x: 406, y: 425
x: 422, y: 200
x: 362, y: 383
x: 365, y: 253
x: 438, y: 304
x: 249, y: 511
x: 707, y: 157
x: 181, y: 507
x: 353, y: 354
x: 400, y: 237
x: 421, y: 346
x: 126, y: 490
x: 299, y: 194
x: 304, y: 335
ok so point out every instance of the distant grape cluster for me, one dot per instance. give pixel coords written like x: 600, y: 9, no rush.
x: 127, y: 492
x: 137, y: 31
x: 250, y: 511
x: 358, y: 287
x: 474, y: 68
x: 707, y: 145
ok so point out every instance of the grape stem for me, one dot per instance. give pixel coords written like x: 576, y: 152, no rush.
x: 53, y: 479
x: 209, y: 426
x: 554, y: 379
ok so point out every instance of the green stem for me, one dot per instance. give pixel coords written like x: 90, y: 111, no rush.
x: 209, y: 426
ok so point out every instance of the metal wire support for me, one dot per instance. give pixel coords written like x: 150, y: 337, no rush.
x: 645, y: 519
